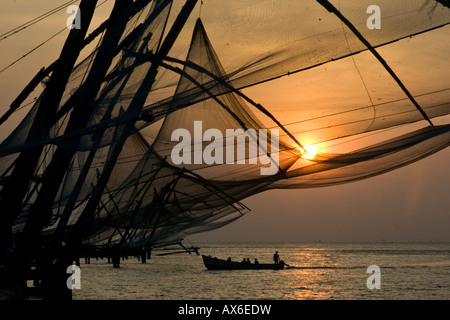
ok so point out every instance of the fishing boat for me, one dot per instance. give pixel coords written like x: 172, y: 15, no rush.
x: 220, y: 264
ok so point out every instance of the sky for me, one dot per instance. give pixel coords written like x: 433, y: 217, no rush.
x: 408, y: 204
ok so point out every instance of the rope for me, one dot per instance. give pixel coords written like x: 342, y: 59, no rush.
x: 22, y: 27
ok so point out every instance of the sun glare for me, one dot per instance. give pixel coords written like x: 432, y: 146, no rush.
x: 310, y: 153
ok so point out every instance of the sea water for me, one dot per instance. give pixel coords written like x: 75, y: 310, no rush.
x: 319, y: 271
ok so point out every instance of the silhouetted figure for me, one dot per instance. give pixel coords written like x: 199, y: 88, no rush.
x: 276, y: 258
x: 256, y: 261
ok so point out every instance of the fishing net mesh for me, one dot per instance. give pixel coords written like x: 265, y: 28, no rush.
x: 283, y: 74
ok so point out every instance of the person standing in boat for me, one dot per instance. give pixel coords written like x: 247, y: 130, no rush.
x: 276, y: 258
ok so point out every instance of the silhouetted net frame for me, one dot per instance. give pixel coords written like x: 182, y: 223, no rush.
x: 149, y: 200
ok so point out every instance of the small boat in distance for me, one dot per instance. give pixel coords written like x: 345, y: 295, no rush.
x: 220, y: 264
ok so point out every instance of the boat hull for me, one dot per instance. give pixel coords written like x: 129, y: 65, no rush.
x: 219, y: 264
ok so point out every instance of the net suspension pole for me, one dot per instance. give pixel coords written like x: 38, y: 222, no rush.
x: 327, y: 5
x: 136, y: 105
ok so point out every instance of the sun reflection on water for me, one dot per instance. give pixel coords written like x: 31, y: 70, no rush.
x: 312, y: 275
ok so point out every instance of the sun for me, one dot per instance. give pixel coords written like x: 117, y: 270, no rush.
x: 310, y: 153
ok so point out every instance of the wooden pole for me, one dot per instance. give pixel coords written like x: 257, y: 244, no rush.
x: 136, y: 104
x: 14, y: 191
x: 54, y: 174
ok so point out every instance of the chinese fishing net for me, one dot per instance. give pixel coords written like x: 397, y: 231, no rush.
x: 290, y: 72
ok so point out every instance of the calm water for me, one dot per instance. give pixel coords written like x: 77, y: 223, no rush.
x: 318, y: 271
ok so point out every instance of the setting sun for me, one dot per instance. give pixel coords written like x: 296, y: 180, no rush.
x: 310, y: 152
